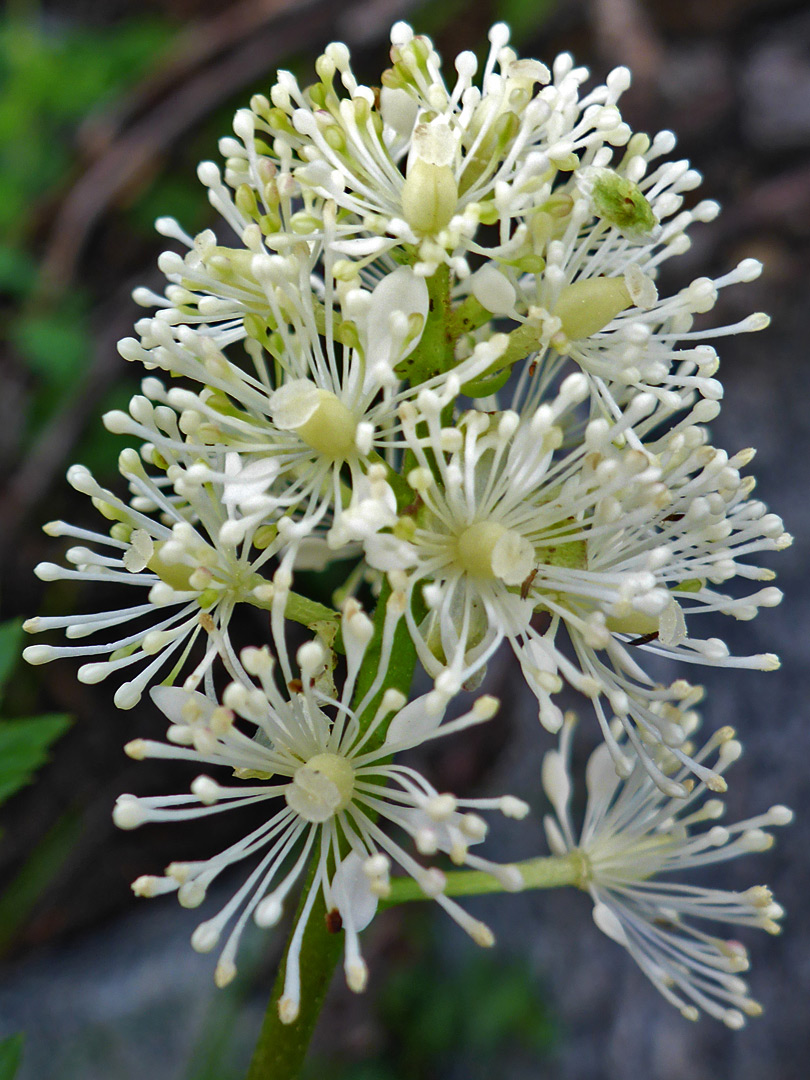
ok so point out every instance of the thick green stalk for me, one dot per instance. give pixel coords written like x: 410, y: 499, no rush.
x: 282, y: 1048
x: 434, y: 353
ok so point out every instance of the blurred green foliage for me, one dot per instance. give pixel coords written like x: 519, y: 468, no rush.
x: 10, y: 1056
x: 23, y: 743
x: 53, y: 75
x: 525, y: 17
x: 24, y: 746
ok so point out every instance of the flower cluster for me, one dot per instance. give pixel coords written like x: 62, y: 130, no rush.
x: 426, y: 349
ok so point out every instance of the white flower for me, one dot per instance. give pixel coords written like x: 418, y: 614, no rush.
x: 166, y: 541
x: 421, y: 164
x: 313, y: 428
x: 331, y: 787
x: 596, y: 303
x: 632, y: 838
x: 620, y: 547
x: 584, y: 212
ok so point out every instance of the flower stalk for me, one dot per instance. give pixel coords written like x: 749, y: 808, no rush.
x: 281, y: 1049
x: 546, y: 872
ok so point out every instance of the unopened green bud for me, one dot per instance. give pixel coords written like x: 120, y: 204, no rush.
x: 529, y: 264
x: 347, y: 333
x: 208, y: 597
x: 691, y: 585
x: 621, y: 203
x: 109, y: 511
x: 429, y: 197
x: 303, y: 223
x: 585, y: 307
x: 270, y: 192
x: 279, y: 121
x: 405, y: 528
x: 318, y: 93
x: 565, y: 162
x: 488, y: 212
x: 175, y: 575
x: 269, y: 223
x: 264, y: 536
x: 334, y: 138
x: 637, y: 145
x: 245, y: 200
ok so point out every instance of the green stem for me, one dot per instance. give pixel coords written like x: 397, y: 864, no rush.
x: 282, y: 1048
x: 308, y: 612
x: 522, y: 341
x: 434, y: 353
x: 550, y: 872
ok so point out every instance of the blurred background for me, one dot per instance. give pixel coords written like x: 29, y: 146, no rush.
x: 106, y: 106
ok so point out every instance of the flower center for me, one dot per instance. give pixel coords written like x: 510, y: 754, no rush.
x: 331, y: 428
x: 429, y: 197
x: 487, y: 549
x: 317, y: 416
x: 321, y: 788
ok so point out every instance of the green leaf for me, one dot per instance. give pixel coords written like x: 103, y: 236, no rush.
x: 24, y: 749
x: 11, y: 636
x: 10, y: 1056
x: 41, y: 867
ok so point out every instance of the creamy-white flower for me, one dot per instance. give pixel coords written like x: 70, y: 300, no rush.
x: 516, y: 535
x: 307, y: 434
x: 166, y: 541
x: 331, y: 786
x: 632, y: 838
x: 423, y: 165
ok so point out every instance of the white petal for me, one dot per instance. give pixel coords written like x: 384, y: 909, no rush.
x: 351, y: 889
x: 388, y: 553
x: 512, y: 558
x: 672, y: 625
x: 556, y: 840
x: 413, y: 725
x: 294, y: 403
x: 401, y: 292
x: 178, y: 705
x: 601, y: 778
x: 493, y: 290
x: 556, y: 782
x: 608, y: 922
